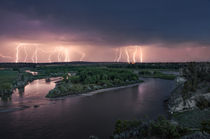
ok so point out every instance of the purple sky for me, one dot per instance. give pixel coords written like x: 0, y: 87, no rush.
x: 94, y: 30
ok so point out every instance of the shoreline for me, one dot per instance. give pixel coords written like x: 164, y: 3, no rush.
x: 94, y: 92
x: 91, y: 93
x: 108, y: 89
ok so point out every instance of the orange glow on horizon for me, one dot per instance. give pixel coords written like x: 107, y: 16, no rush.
x: 61, y: 52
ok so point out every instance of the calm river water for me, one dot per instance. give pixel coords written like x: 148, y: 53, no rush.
x: 30, y: 115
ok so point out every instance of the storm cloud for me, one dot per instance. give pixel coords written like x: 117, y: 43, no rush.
x: 108, y: 22
x: 98, y: 30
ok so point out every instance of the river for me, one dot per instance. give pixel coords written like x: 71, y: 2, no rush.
x: 29, y: 115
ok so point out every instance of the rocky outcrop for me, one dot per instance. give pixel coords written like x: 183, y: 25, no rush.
x: 177, y: 103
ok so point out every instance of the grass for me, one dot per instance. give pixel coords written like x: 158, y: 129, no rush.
x: 7, y: 78
x: 164, y: 76
x: 156, y: 74
x: 192, y: 119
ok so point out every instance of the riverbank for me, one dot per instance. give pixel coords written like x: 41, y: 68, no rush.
x: 109, y: 89
x: 87, y: 80
x: 95, y: 115
x: 188, y: 108
x: 157, y: 74
x: 93, y: 91
x: 191, y: 111
x: 189, y: 104
x: 10, y: 79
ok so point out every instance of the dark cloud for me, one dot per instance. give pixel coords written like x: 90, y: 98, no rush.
x: 109, y: 22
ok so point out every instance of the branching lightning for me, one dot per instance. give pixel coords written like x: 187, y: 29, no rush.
x: 62, y: 54
x: 120, y: 55
x: 35, y: 55
x: 17, y: 52
x: 134, y: 54
x: 131, y: 53
x: 127, y: 54
x: 22, y: 47
x: 26, y: 54
x: 67, y: 59
x: 140, y: 55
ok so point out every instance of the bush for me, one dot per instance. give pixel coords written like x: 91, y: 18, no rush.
x: 145, y: 72
x: 6, y: 86
x: 202, y: 103
x: 205, y: 126
x: 74, y: 79
x: 76, y: 88
x: 124, y: 125
x: 162, y: 128
x: 208, y: 89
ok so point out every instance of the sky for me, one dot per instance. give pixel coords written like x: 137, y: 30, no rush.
x: 104, y: 30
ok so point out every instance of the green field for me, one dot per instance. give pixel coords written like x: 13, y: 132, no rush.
x: 7, y: 78
x: 193, y: 118
x: 156, y: 74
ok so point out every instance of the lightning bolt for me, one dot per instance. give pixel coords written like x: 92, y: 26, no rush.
x: 120, y: 55
x: 26, y: 54
x: 141, y: 55
x: 134, y: 54
x: 35, y: 55
x: 127, y: 54
x: 62, y: 53
x: 58, y: 50
x: 82, y: 56
x: 49, y: 58
x: 66, y: 52
x: 17, y: 53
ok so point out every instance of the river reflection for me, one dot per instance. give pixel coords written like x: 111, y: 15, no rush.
x: 33, y: 93
x: 80, y: 116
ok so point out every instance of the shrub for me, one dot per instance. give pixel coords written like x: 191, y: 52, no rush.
x: 205, y: 126
x: 145, y: 72
x: 208, y: 89
x: 164, y: 129
x: 161, y: 128
x: 6, y: 86
x: 124, y: 125
x: 74, y: 79
x: 202, y: 103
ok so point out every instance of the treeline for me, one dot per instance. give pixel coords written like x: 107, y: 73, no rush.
x: 149, y: 65
x: 101, y: 76
x: 156, y: 74
x: 92, y: 78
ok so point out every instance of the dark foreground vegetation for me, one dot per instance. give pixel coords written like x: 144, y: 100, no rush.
x: 159, y: 128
